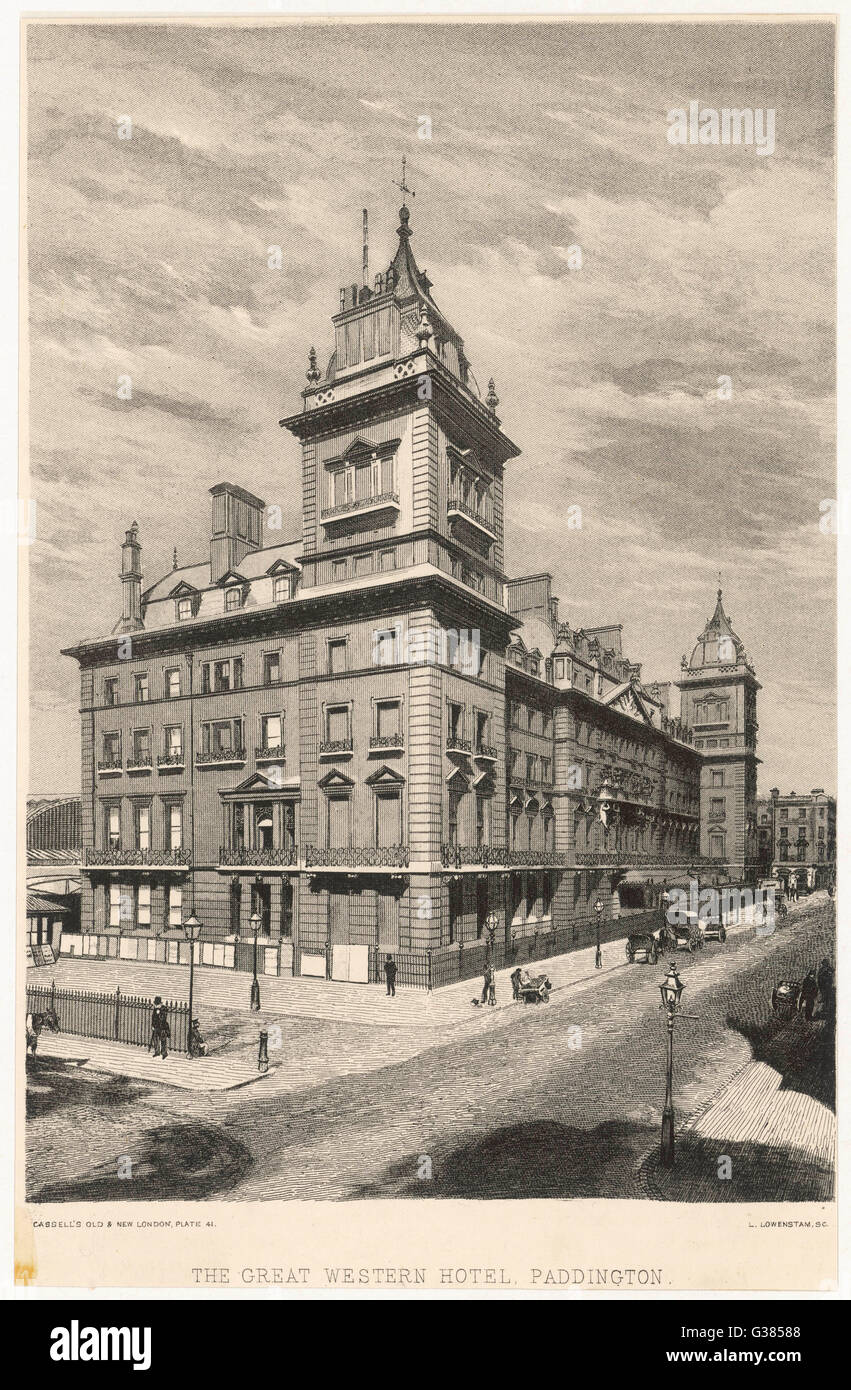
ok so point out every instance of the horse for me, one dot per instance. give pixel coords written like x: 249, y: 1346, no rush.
x: 34, y: 1025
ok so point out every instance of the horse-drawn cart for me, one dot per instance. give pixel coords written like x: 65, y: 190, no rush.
x: 642, y: 945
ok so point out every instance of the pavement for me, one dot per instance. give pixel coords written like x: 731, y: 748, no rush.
x: 119, y: 1059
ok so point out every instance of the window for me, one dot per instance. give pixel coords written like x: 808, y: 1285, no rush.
x: 271, y: 668
x: 110, y: 690
x: 184, y: 609
x: 112, y: 814
x: 281, y: 588
x: 482, y: 729
x: 388, y: 817
x: 456, y: 721
x: 802, y: 813
x: 111, y: 750
x: 546, y: 770
x: 784, y: 813
x: 339, y: 822
x: 482, y: 820
x: 143, y: 827
x: 233, y: 598
x: 362, y: 565
x: 454, y: 805
x: 361, y: 479
x: 235, y: 904
x: 716, y: 846
x: 716, y: 805
x: 174, y: 742
x: 337, y: 724
x: 559, y: 668
x: 387, y: 719
x: 140, y: 687
x: 142, y: 747
x: 387, y: 560
x: 338, y: 570
x: 114, y: 904
x: 717, y: 777
x: 516, y: 762
x: 175, y: 905
x: 172, y: 683
x: 222, y: 738
x: 385, y: 646
x: 221, y: 675
x: 337, y: 653
x: 143, y: 905
x: 531, y: 768
x: 271, y: 732
x: 175, y: 826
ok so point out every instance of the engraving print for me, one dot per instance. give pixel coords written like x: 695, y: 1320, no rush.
x: 431, y: 543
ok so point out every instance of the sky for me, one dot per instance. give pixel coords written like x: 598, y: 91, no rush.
x: 149, y: 257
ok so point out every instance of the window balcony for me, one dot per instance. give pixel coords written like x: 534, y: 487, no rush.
x: 110, y: 767
x: 275, y: 754
x: 145, y: 763
x: 385, y: 741
x: 353, y: 857
x: 361, y: 506
x: 117, y: 858
x: 261, y: 857
x: 458, y: 745
x: 220, y: 757
x: 486, y: 752
x: 460, y: 510
x: 174, y: 761
x: 335, y: 748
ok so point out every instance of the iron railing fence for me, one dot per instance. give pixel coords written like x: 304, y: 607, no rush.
x: 116, y: 1017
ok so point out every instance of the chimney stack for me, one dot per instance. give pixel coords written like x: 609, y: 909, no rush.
x: 131, y: 581
x: 237, y: 527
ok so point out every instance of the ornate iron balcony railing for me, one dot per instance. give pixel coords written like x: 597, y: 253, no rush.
x: 222, y: 755
x: 110, y: 765
x: 143, y: 764
x: 458, y: 745
x: 171, y: 760
x: 354, y: 857
x: 383, y: 499
x: 136, y: 858
x: 277, y: 753
x: 486, y: 750
x: 387, y: 741
x: 336, y: 745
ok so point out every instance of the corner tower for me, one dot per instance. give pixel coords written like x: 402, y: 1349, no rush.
x: 719, y: 689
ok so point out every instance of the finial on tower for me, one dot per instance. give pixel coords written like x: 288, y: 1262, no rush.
x: 313, y: 373
x: 402, y: 183
x: 491, y: 399
x: 174, y: 559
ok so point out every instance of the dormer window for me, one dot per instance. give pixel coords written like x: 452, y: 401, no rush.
x: 184, y: 609
x: 233, y: 598
x: 281, y: 588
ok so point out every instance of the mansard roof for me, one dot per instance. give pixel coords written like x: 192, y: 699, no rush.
x: 718, y: 645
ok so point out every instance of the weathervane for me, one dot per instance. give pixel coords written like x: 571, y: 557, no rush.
x: 403, y: 185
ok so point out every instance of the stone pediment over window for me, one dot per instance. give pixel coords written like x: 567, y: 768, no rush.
x: 281, y: 567
x: 336, y: 781
x: 515, y: 805
x: 458, y: 780
x: 385, y: 777
x: 231, y: 577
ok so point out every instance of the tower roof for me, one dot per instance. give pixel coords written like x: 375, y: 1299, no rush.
x: 718, y: 645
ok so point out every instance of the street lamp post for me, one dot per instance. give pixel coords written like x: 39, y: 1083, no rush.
x: 192, y: 931
x: 671, y: 989
x: 598, y: 959
x: 256, y: 922
x: 491, y: 923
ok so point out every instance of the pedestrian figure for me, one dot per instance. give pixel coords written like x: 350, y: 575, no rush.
x: 826, y: 989
x: 516, y: 977
x: 489, y: 985
x: 808, y: 995
x: 160, y: 1030
x: 196, y: 1041
x: 390, y: 974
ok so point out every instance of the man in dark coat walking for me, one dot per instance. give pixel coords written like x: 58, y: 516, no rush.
x: 160, y: 1030
x: 390, y: 975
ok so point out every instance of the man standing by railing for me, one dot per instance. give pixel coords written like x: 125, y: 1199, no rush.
x: 160, y: 1030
